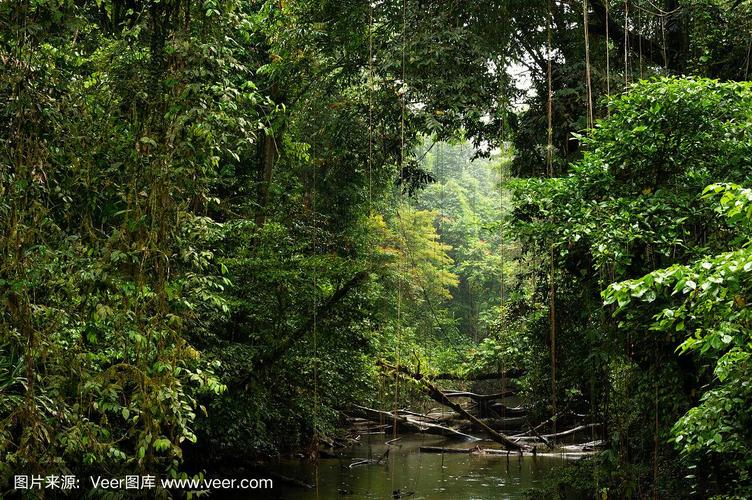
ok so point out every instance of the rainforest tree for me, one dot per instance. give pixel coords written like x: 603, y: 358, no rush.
x: 211, y: 211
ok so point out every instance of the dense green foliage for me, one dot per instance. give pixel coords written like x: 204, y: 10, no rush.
x: 217, y: 217
x: 634, y: 204
x: 704, y: 304
x: 187, y: 191
x: 107, y: 159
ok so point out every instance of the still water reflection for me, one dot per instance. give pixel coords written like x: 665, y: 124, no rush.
x: 410, y: 474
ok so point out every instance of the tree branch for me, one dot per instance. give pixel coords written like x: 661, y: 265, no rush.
x: 322, y: 312
x: 437, y: 395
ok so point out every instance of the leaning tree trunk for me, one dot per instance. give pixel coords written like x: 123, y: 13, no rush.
x: 437, y: 395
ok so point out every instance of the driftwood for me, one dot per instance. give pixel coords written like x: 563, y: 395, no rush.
x: 573, y: 451
x: 411, y: 425
x: 369, y: 461
x: 534, y: 431
x: 585, y: 447
x: 558, y: 434
x: 416, y: 414
x: 547, y: 442
x: 534, y: 452
x: 364, y: 425
x: 449, y: 416
x: 437, y: 395
x: 478, y: 450
x: 572, y: 430
x: 542, y: 424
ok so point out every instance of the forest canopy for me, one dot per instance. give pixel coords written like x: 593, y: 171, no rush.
x: 228, y: 227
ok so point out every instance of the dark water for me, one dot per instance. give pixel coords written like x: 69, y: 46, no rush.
x: 417, y: 475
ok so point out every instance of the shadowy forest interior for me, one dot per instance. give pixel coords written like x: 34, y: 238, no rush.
x: 284, y: 238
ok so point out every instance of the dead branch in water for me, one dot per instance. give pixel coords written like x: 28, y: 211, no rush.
x: 370, y: 461
x: 411, y: 425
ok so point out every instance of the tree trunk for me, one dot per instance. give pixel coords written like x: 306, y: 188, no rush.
x: 438, y: 396
x: 268, y: 155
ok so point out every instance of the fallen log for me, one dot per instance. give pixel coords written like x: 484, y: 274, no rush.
x: 558, y: 434
x: 574, y: 452
x: 367, y: 425
x: 533, y: 430
x: 416, y: 414
x: 584, y: 447
x: 410, y: 425
x: 537, y: 434
x: 558, y: 454
x: 444, y: 417
x: 572, y: 430
x: 438, y: 396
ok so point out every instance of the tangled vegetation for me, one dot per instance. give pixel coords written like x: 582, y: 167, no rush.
x: 221, y: 220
